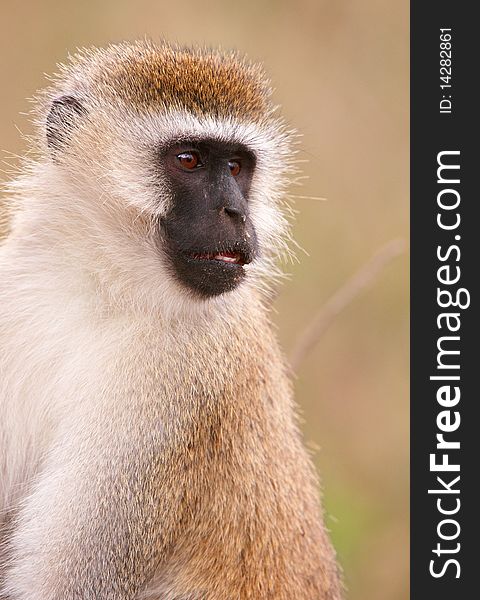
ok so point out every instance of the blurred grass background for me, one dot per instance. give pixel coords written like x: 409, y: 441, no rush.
x: 340, y: 69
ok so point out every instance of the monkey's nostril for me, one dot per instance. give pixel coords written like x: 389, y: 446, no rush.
x: 235, y: 213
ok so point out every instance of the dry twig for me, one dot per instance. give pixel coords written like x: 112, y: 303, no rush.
x: 342, y: 298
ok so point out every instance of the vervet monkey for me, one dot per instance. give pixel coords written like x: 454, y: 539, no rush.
x: 149, y: 443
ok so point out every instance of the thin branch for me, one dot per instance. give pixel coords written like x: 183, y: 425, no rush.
x: 360, y: 280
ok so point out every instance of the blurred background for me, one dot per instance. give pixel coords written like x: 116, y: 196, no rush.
x: 340, y: 69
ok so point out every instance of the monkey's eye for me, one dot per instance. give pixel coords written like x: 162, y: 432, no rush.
x: 189, y: 160
x: 235, y: 167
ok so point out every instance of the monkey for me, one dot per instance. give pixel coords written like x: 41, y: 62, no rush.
x: 150, y: 443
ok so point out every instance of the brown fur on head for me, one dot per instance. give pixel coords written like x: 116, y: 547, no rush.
x: 198, y: 80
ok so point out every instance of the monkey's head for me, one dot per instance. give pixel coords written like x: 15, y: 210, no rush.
x: 174, y: 160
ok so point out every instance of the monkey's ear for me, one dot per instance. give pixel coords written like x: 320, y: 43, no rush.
x: 62, y: 118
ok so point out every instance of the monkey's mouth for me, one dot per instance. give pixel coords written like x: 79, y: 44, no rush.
x: 213, y: 271
x: 233, y: 258
x: 233, y: 254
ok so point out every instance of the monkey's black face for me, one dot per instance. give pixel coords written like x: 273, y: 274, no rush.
x: 208, y: 233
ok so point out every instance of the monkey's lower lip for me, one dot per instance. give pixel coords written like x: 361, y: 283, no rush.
x: 233, y: 258
x: 209, y: 270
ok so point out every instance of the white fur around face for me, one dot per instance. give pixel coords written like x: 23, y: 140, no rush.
x: 268, y: 142
x: 105, y: 195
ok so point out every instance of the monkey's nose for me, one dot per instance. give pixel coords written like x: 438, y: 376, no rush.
x: 235, y: 213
